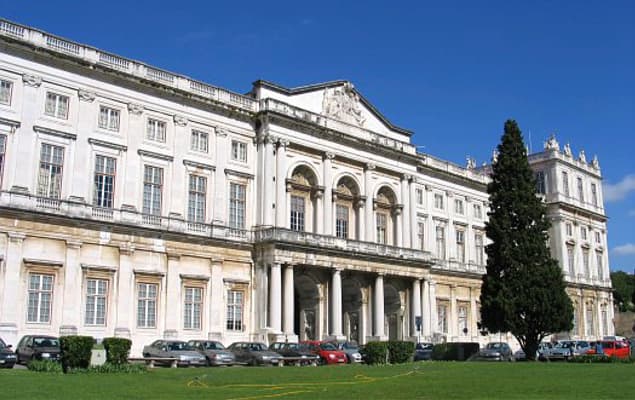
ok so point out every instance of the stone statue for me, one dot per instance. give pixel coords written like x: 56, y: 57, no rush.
x: 582, y: 156
x: 567, y: 150
x: 343, y: 103
x: 552, y: 143
x: 595, y: 163
x: 471, y: 163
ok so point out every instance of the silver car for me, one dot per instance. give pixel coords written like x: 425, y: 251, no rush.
x: 174, y: 349
x: 215, y: 353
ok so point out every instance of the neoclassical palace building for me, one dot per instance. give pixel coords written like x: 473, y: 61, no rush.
x: 140, y: 203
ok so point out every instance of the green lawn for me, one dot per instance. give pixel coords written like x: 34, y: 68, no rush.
x: 427, y: 380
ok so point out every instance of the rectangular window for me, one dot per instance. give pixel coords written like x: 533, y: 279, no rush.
x: 6, y: 88
x: 382, y: 228
x: 239, y: 151
x: 580, y: 190
x: 152, y: 190
x: 341, y: 221
x: 96, y: 300
x: 598, y: 260
x: 442, y: 318
x: 234, y: 320
x: 440, y: 239
x: 460, y: 245
x: 478, y: 211
x: 438, y: 201
x: 196, y: 199
x: 419, y: 196
x: 156, y: 130
x: 297, y: 213
x: 569, y: 229
x: 3, y: 149
x: 109, y: 118
x: 192, y: 308
x: 540, y: 183
x: 462, y: 320
x: 50, y: 174
x: 585, y: 261
x: 147, y: 305
x: 421, y: 228
x: 583, y: 232
x: 199, y: 141
x: 56, y: 105
x: 588, y: 325
x: 565, y: 183
x: 237, y: 204
x: 594, y: 194
x: 458, y: 206
x: 478, y: 246
x: 105, y: 169
x: 598, y: 237
x: 571, y: 260
x: 40, y: 298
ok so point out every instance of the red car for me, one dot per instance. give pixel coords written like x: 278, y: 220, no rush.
x: 613, y: 348
x: 329, y: 354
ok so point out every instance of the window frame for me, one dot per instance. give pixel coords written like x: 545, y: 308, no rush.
x: 439, y: 201
x: 342, y: 224
x: 197, y: 211
x: 193, y: 326
x: 146, y: 299
x: 195, y: 144
x: 237, y: 213
x: 153, y: 132
x: 235, y: 324
x: 96, y: 296
x: 150, y: 188
x: 110, y: 112
x: 47, y: 167
x: 6, y: 86
x: 57, y: 112
x: 238, y: 151
x: 104, y: 174
x: 297, y: 213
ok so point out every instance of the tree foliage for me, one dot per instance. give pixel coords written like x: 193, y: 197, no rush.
x: 624, y: 290
x: 523, y: 290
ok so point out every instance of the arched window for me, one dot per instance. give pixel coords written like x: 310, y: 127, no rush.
x: 346, y: 201
x: 303, y: 193
x: 386, y: 211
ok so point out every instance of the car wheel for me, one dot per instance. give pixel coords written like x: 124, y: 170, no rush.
x: 253, y: 362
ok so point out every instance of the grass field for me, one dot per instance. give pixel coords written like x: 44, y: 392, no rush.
x: 427, y: 380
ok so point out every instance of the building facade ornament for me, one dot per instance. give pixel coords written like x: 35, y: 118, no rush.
x: 595, y: 163
x: 180, y: 120
x: 582, y: 156
x: 342, y: 103
x: 85, y: 95
x: 135, y: 108
x: 220, y: 131
x: 329, y: 155
x: 32, y: 80
x: 370, y: 166
x: 567, y: 150
x: 552, y: 143
x: 470, y: 163
x: 284, y: 143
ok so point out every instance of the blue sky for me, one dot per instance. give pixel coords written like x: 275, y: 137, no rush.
x: 452, y: 71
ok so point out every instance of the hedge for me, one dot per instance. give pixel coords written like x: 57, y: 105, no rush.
x: 454, y: 351
x: 76, y: 351
x: 393, y: 352
x: 117, y: 350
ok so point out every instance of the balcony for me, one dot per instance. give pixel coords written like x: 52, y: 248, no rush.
x: 282, y: 235
x: 132, y: 218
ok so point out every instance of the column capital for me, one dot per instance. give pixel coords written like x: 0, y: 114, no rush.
x: 135, y: 108
x: 73, y: 244
x: 329, y: 155
x: 126, y: 249
x: 283, y: 143
x: 16, y: 237
x: 32, y: 80
x: 370, y: 166
x: 406, y: 177
x: 180, y: 120
x: 85, y: 95
x: 173, y: 256
x: 220, y: 131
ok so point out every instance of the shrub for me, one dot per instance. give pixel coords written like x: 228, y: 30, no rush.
x: 455, y: 351
x: 76, y: 351
x: 400, y: 351
x: 376, y: 353
x: 117, y: 350
x: 45, y: 366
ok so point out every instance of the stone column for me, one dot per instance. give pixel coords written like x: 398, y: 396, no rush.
x: 11, y: 309
x: 221, y: 189
x: 288, y: 300
x: 433, y: 308
x: 318, y: 218
x: 412, y: 203
x: 216, y: 304
x: 398, y: 220
x: 336, y: 303
x: 406, y: 217
x: 173, y: 298
x: 416, y: 306
x: 267, y: 183
x: 360, y: 218
x: 125, y: 292
x: 71, y: 314
x: 133, y: 171
x: 24, y: 174
x: 275, y: 298
x: 474, y: 312
x: 81, y: 186
x: 378, y: 309
x: 328, y: 190
x: 281, y: 184
x: 426, y: 311
x: 368, y: 208
x: 453, y: 320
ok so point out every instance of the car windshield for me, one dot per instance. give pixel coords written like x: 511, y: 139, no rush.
x: 213, y: 346
x: 494, y: 346
x: 350, y: 346
x: 178, y: 346
x: 328, y: 346
x: 292, y: 346
x: 257, y: 347
x: 46, y: 342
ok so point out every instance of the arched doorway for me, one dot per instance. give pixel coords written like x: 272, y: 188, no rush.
x: 393, y: 312
x: 307, y: 308
x: 352, y: 312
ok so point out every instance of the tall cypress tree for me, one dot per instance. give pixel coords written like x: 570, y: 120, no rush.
x: 523, y: 291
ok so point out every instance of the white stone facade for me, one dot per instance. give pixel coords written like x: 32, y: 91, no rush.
x: 140, y: 203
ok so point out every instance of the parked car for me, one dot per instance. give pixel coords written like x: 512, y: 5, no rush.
x: 185, y: 355
x: 423, y: 351
x: 543, y: 349
x: 351, y: 349
x: 215, y: 353
x: 295, y: 353
x: 254, y: 353
x: 565, y: 349
x: 613, y: 348
x: 7, y: 356
x: 494, y: 351
x: 329, y: 354
x: 37, y: 347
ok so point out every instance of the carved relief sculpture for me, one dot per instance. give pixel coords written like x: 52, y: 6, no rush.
x: 342, y: 103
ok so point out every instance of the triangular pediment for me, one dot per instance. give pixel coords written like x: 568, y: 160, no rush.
x: 338, y: 100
